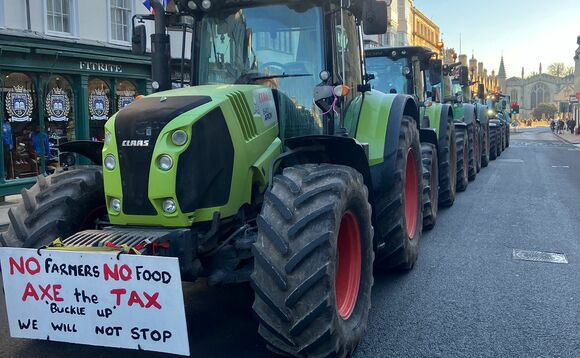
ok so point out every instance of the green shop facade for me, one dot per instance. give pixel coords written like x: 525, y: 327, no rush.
x: 54, y: 91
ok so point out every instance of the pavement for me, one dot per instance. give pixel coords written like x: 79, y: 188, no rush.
x: 466, y: 296
x: 569, y: 138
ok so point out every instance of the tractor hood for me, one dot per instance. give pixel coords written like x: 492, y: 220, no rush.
x: 171, y: 154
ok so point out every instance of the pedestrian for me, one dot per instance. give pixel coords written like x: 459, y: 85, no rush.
x: 552, y: 125
x: 571, y: 125
x: 560, y: 126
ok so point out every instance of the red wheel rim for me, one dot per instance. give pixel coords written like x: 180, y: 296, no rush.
x: 348, y: 268
x: 411, y: 194
x: 89, y: 220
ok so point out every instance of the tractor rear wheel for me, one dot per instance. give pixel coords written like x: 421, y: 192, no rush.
x: 499, y: 140
x: 472, y: 149
x: 430, y: 184
x: 448, y: 166
x: 57, y: 206
x: 399, y: 211
x: 485, y: 146
x: 478, y: 141
x: 313, y: 261
x: 462, y: 160
x: 503, y: 137
x: 493, y: 143
x: 507, y: 137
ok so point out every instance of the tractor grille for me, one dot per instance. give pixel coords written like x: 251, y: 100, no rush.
x: 244, y: 114
x: 143, y: 121
x: 205, y: 168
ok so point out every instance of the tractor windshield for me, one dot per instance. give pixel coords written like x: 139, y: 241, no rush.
x: 391, y: 76
x: 271, y: 45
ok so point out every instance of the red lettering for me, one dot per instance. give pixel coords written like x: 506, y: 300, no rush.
x: 56, y: 292
x: 13, y: 264
x: 124, y: 273
x: 119, y: 292
x: 134, y: 298
x: 31, y: 264
x: 29, y: 291
x: 45, y: 292
x: 152, y: 300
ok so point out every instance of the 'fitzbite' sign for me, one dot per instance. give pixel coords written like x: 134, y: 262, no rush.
x: 131, y: 302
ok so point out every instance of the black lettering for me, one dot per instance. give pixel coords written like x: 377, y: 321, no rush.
x: 156, y: 336
x: 57, y: 327
x: 28, y: 324
x: 96, y: 272
x: 47, y: 264
x: 135, y: 333
x: 166, y: 336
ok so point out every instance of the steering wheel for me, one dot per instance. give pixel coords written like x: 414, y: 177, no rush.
x: 273, y: 64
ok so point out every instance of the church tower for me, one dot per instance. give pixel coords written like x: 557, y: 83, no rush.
x: 501, y: 76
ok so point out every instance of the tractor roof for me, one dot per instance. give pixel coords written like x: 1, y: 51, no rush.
x: 396, y: 53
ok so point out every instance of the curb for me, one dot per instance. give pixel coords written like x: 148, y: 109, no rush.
x: 562, y: 139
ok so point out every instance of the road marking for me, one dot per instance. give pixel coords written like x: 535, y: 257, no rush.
x: 539, y: 256
x: 510, y: 160
x: 560, y: 166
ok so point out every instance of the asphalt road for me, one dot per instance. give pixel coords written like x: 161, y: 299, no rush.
x: 466, y: 297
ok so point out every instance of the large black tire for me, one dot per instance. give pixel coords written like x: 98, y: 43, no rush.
x: 56, y: 206
x: 478, y: 143
x: 507, y: 136
x: 314, y: 222
x: 503, y: 137
x: 462, y: 160
x: 472, y: 148
x: 493, y: 134
x: 485, y: 146
x: 448, y: 166
x: 499, y: 140
x: 399, y: 214
x: 430, y: 185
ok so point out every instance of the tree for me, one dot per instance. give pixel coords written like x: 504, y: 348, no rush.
x: 549, y: 110
x: 559, y: 69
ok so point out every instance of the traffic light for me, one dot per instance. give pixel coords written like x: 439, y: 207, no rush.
x: 515, y: 108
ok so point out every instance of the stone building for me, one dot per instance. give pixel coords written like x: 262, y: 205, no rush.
x: 425, y: 32
x: 575, y: 106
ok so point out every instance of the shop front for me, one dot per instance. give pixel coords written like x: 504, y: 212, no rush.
x: 53, y: 92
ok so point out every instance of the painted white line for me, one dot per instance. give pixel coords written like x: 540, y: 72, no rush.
x: 510, y: 160
x: 560, y: 166
x: 539, y: 256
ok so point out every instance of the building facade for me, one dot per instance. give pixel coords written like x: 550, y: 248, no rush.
x: 575, y: 108
x: 425, y: 32
x: 61, y: 76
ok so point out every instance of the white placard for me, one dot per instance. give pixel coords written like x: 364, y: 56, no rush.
x: 264, y: 106
x: 133, y: 302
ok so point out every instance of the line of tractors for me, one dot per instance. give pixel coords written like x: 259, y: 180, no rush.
x: 287, y: 158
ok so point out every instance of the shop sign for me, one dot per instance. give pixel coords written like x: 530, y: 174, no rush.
x: 19, y: 104
x: 100, y: 67
x: 99, y: 105
x: 57, y: 105
x: 125, y: 99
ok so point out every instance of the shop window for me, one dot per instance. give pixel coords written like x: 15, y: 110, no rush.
x: 59, y: 121
x: 126, y: 92
x: 121, y: 12
x: 60, y: 16
x: 24, y: 143
x: 99, y: 107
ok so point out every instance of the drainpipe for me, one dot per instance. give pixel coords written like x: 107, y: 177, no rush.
x: 28, y: 26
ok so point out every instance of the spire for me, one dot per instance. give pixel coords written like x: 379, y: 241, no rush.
x: 501, y: 73
x: 522, y: 72
x: 540, y: 68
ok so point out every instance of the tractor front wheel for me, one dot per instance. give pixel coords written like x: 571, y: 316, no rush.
x: 472, y: 150
x: 485, y: 146
x: 447, y: 156
x: 313, y: 261
x: 462, y: 160
x: 493, y: 136
x: 430, y: 184
x: 57, y: 206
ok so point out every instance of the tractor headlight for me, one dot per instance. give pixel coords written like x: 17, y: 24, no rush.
x: 206, y: 4
x: 179, y: 137
x: 115, y: 204
x: 169, y: 206
x: 165, y: 162
x: 110, y: 162
x: 490, y: 112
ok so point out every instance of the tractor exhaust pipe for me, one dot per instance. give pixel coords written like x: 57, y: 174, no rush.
x: 160, y: 51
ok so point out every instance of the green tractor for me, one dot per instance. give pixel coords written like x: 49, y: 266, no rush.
x: 413, y: 70
x: 277, y: 165
x: 481, y: 110
x: 499, y: 123
x: 456, y: 91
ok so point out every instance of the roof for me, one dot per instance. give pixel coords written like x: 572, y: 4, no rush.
x: 399, y: 52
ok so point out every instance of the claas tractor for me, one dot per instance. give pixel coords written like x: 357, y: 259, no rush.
x: 413, y: 70
x: 499, y: 122
x: 275, y: 164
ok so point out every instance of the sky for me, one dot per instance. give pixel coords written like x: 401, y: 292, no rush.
x: 526, y: 31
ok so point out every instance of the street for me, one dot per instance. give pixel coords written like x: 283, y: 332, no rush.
x: 466, y: 296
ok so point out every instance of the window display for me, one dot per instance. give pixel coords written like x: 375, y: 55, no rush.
x: 99, y: 107
x: 59, y: 121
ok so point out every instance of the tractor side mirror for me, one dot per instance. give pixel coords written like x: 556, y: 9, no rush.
x: 463, y: 76
x: 435, y: 71
x: 375, y: 17
x: 481, y: 91
x: 139, y: 40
